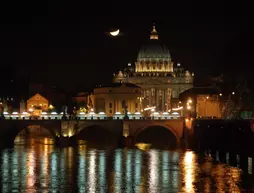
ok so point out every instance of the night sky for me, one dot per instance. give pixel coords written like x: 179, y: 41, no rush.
x: 67, y: 45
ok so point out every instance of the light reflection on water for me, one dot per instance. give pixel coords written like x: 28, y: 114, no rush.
x: 44, y: 168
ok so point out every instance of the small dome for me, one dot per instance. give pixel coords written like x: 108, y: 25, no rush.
x: 154, y: 50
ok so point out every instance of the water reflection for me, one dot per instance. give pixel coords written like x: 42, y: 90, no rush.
x: 189, y: 171
x: 31, y: 169
x: 138, y: 171
x: 81, y: 175
x: 153, y: 171
x: 44, y: 168
x: 117, y: 186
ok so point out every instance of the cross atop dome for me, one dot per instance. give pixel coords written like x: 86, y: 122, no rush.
x: 154, y: 34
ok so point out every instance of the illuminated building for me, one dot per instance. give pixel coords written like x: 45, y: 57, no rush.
x: 202, y: 102
x: 36, y: 104
x: 155, y: 73
x: 208, y: 106
x: 116, y: 97
x: 53, y: 94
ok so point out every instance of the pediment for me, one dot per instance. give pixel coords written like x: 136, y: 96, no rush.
x: 37, y: 97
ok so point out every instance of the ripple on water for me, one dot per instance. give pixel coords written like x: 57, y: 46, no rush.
x: 44, y: 168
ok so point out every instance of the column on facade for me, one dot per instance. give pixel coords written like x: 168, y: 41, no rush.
x: 154, y: 97
x: 145, y: 99
x: 150, y: 97
x: 166, y: 100
x: 129, y: 106
x: 118, y: 106
x: 163, y: 100
x: 115, y: 101
x: 131, y: 109
x: 169, y: 96
x: 133, y: 106
x: 157, y: 97
x: 120, y: 109
x: 139, y: 106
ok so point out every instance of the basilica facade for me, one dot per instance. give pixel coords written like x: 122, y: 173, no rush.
x: 160, y: 80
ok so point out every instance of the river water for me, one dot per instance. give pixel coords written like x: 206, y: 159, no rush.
x: 43, y: 168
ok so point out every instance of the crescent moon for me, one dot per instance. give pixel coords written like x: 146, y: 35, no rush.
x: 114, y: 33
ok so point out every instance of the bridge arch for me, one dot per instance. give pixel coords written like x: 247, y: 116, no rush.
x: 95, y: 134
x: 160, y: 134
x: 10, y: 129
x: 35, y: 130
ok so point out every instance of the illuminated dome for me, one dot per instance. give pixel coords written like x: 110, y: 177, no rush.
x: 154, y: 50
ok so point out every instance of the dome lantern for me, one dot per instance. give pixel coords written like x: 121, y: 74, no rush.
x: 154, y: 34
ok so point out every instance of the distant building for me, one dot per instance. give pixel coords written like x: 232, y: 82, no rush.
x: 117, y: 97
x: 37, y: 104
x: 155, y: 73
x: 202, y: 102
x: 54, y: 95
x: 8, y: 103
x: 208, y: 106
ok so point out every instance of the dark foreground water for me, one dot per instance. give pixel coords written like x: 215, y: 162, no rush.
x: 43, y: 168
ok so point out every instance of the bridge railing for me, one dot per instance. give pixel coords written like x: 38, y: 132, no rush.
x: 94, y: 117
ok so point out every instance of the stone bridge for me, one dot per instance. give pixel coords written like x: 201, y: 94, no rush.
x: 134, y: 130
x: 114, y: 130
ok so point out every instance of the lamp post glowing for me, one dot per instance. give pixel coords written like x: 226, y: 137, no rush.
x: 31, y: 110
x: 91, y: 113
x: 188, y: 107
